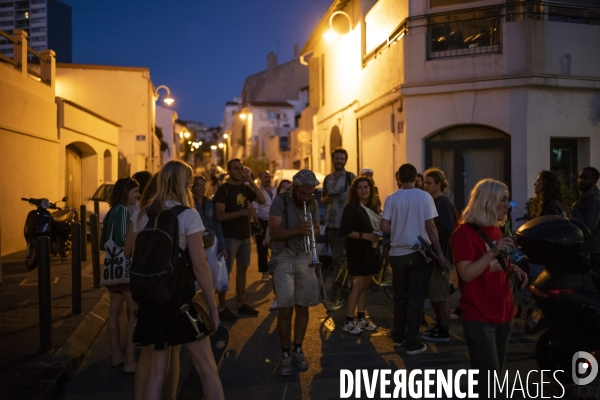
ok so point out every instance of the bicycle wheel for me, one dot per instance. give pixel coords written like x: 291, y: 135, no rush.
x: 334, y: 285
x: 386, y: 281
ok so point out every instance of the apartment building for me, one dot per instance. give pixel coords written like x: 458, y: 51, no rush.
x: 47, y: 22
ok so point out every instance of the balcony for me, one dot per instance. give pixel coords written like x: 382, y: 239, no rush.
x: 479, y: 30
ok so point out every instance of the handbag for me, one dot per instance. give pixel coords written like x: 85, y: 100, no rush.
x: 208, y: 239
x: 221, y: 278
x: 116, y: 266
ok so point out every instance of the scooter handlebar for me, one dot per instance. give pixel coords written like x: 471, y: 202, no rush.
x: 24, y: 199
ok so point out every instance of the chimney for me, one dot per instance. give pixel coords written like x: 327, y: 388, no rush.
x: 271, y: 60
x: 296, y: 52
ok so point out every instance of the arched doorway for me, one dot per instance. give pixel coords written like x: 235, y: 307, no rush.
x: 73, y: 177
x: 335, y: 139
x: 467, y: 154
x: 107, y: 166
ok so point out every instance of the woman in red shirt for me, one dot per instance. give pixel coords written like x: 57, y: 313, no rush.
x: 486, y: 301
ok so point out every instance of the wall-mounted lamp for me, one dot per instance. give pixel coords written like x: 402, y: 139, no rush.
x: 225, y: 136
x: 213, y: 147
x: 243, y: 116
x: 168, y: 100
x: 331, y: 34
x: 221, y: 145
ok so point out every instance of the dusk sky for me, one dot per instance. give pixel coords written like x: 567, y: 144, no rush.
x: 202, y: 50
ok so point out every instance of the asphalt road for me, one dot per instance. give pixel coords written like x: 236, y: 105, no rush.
x: 250, y: 368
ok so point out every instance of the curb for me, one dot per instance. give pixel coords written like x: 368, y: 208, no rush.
x: 71, y: 354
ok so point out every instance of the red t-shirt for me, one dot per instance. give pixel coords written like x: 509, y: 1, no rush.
x: 486, y: 298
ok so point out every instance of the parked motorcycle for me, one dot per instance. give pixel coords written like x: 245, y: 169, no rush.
x: 567, y: 292
x: 56, y: 226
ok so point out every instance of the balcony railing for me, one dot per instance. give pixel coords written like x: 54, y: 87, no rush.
x: 24, y: 57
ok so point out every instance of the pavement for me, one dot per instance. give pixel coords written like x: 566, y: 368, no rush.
x: 25, y: 373
x: 78, y: 367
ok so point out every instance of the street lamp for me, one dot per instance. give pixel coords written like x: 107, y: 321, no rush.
x: 168, y: 100
x: 243, y: 116
x: 221, y: 145
x: 225, y: 136
x: 331, y: 34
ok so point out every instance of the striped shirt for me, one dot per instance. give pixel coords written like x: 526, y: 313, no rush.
x: 116, y: 222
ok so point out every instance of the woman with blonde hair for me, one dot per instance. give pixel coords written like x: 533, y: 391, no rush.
x: 483, y: 270
x: 161, y: 326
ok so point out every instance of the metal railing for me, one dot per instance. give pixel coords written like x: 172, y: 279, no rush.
x: 465, y: 37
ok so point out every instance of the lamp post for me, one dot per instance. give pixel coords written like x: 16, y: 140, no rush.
x: 331, y: 34
x: 168, y: 100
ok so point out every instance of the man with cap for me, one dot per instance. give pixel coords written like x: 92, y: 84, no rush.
x: 295, y: 282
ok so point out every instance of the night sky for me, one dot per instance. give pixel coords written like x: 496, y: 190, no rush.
x: 202, y: 50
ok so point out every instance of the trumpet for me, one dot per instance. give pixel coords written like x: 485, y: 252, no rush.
x: 309, y: 241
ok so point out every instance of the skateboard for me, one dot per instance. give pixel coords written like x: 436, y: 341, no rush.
x: 219, y: 342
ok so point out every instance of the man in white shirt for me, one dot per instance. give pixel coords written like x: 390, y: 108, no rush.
x: 407, y: 214
x: 263, y: 218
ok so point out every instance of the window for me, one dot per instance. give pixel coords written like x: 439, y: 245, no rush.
x: 465, y: 33
x: 6, y: 5
x: 7, y: 51
x: 6, y: 14
x: 38, y: 21
x: 563, y: 157
x: 38, y: 1
x: 22, y: 14
x: 38, y: 39
x: 3, y: 41
x: 272, y: 115
x: 38, y: 11
x: 6, y: 23
x: 40, y: 29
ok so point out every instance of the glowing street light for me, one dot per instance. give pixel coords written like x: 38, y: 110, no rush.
x: 168, y: 100
x: 186, y: 135
x: 221, y: 145
x: 213, y: 147
x: 331, y: 34
x: 243, y: 116
x: 225, y: 136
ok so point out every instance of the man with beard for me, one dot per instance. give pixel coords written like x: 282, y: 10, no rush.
x: 295, y: 282
x: 233, y: 208
x: 335, y: 192
x: 587, y: 209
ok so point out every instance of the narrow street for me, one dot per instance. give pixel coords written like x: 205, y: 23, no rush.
x: 250, y: 370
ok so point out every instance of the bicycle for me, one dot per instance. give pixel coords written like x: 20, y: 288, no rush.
x: 334, y: 285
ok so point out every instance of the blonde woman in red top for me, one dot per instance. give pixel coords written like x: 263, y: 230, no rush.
x: 486, y: 301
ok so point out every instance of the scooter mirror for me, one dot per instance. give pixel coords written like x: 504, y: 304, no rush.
x: 65, y: 198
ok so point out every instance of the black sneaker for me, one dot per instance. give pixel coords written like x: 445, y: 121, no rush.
x: 431, y: 331
x: 227, y: 315
x: 246, y: 309
x: 442, y: 334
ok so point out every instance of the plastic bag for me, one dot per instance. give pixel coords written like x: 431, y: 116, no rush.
x: 221, y: 277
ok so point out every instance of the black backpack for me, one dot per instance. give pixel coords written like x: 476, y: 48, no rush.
x: 160, y: 271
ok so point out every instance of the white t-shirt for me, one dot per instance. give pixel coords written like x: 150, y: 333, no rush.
x: 263, y: 209
x: 189, y: 222
x: 407, y: 210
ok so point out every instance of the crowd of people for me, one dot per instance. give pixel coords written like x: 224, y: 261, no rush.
x: 357, y: 227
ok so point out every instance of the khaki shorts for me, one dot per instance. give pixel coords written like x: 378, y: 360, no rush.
x: 439, y: 286
x: 295, y: 283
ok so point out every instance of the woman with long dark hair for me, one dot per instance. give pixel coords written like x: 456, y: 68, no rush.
x: 548, y: 196
x: 360, y: 226
x: 116, y: 225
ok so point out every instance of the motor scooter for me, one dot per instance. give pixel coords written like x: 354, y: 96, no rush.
x: 56, y: 226
x: 566, y: 293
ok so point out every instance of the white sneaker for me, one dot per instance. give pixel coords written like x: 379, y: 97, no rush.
x: 286, y: 365
x: 273, y: 306
x: 351, y: 328
x: 265, y: 277
x: 366, y: 324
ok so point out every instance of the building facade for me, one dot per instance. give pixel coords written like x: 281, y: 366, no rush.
x: 47, y: 22
x: 477, y: 88
x: 51, y: 147
x: 124, y: 95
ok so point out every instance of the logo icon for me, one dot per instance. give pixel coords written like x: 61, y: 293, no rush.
x: 584, y: 368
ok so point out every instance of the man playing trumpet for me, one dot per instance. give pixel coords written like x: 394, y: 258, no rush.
x: 295, y: 282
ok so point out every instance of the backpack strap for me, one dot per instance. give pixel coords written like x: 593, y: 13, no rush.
x: 489, y: 242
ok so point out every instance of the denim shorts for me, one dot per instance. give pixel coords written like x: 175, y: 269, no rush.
x: 240, y: 250
x: 294, y: 281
